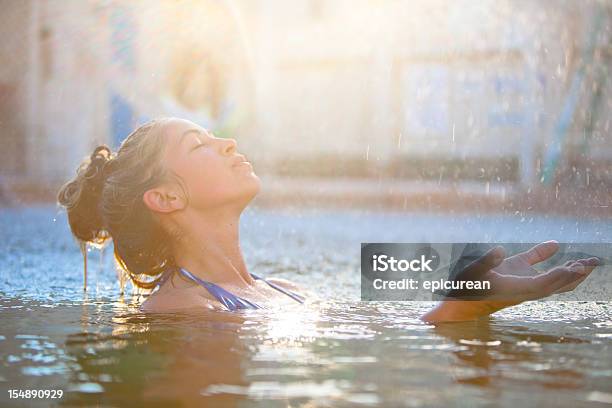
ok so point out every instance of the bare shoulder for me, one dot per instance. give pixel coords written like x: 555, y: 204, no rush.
x: 162, y: 302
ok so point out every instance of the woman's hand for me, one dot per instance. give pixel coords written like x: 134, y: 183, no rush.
x: 512, y: 280
x: 521, y: 265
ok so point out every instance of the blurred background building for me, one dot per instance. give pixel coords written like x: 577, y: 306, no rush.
x: 510, y: 96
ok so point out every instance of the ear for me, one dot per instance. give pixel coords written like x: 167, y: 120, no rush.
x: 163, y: 200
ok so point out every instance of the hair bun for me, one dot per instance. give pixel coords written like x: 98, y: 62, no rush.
x: 81, y: 196
x: 98, y: 161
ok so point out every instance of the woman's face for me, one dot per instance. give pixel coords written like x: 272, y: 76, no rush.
x: 215, y: 175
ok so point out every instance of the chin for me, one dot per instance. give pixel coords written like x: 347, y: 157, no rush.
x: 255, y: 185
x: 253, y: 180
x: 250, y: 189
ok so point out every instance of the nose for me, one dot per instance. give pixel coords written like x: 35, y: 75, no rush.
x: 228, y: 146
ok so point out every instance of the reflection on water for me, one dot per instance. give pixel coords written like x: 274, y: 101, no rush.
x: 100, y: 350
x: 327, y: 353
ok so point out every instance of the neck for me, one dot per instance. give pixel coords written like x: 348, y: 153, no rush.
x: 209, y: 247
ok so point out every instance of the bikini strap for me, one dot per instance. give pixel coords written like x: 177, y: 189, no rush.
x: 228, y: 299
x: 298, y: 298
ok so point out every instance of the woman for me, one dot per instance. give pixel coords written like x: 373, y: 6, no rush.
x: 171, y: 200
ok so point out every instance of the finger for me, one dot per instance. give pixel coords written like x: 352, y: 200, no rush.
x: 541, y: 252
x: 550, y: 282
x: 475, y: 271
x: 484, y: 264
x: 589, y: 264
x: 593, y: 261
x: 572, y: 285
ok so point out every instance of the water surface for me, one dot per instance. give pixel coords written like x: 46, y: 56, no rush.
x: 100, y: 349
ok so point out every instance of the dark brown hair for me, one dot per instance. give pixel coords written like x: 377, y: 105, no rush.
x: 105, y: 201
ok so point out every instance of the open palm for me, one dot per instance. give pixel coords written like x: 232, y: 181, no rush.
x: 522, y: 263
x: 514, y: 279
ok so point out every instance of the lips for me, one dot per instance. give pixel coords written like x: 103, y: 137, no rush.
x: 240, y: 160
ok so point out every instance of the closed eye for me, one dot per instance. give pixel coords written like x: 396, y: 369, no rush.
x: 198, y: 146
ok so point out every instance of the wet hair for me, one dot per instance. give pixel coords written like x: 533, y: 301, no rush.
x: 105, y: 201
